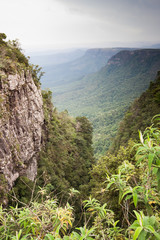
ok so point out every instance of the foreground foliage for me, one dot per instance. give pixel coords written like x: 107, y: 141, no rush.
x: 46, y: 220
x: 136, y: 183
x: 124, y: 187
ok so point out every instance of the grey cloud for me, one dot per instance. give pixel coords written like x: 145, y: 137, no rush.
x: 68, y: 22
x: 141, y: 15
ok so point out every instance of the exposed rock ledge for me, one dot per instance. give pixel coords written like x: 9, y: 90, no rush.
x: 21, y: 119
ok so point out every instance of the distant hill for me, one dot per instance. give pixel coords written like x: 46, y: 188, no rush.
x: 104, y: 96
x: 156, y: 45
x: 92, y: 61
x: 56, y: 57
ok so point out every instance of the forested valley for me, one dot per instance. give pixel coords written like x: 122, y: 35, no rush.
x: 75, y: 194
x: 101, y: 85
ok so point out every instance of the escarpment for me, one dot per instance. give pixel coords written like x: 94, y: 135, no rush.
x: 21, y: 120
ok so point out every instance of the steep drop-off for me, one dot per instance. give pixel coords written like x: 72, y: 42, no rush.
x: 21, y: 116
x: 20, y: 126
x: 67, y: 153
x: 36, y: 140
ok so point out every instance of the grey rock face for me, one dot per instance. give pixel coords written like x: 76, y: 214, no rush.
x: 21, y: 120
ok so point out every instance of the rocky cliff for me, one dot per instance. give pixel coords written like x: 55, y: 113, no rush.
x: 25, y: 116
x: 21, y: 119
x: 144, y: 57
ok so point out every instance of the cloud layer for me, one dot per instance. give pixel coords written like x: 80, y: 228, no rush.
x: 75, y: 23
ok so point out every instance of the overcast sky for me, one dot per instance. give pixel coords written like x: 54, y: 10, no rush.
x: 50, y: 24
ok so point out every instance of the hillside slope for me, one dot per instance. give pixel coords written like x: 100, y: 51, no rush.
x: 139, y: 115
x: 104, y: 97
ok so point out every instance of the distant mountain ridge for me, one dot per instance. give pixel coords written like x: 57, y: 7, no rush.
x: 156, y: 45
x: 104, y: 96
x: 92, y: 61
x: 55, y: 58
x: 141, y: 55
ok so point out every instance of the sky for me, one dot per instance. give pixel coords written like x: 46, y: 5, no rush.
x: 59, y: 24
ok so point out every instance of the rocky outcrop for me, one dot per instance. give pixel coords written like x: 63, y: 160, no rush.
x: 141, y: 56
x: 21, y: 120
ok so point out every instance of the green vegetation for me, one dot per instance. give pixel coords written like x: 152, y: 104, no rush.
x: 71, y: 71
x: 3, y: 190
x: 105, y: 96
x: 67, y: 155
x: 13, y: 61
x: 76, y: 198
x: 139, y: 115
x: 134, y: 183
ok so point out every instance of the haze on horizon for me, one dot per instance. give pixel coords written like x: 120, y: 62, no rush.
x: 59, y: 24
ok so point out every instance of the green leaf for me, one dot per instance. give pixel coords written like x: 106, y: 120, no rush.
x: 140, y: 159
x: 150, y: 160
x: 137, y: 232
x: 49, y: 237
x: 156, y: 117
x: 150, y: 228
x: 135, y: 198
x: 128, y: 197
x: 66, y: 238
x: 158, y: 178
x: 75, y: 234
x: 152, y: 220
x: 125, y: 193
x: 146, y: 221
x: 109, y: 184
x: 138, y: 217
x: 90, y: 231
x: 134, y: 225
x: 143, y: 235
x: 140, y: 149
x: 157, y: 235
